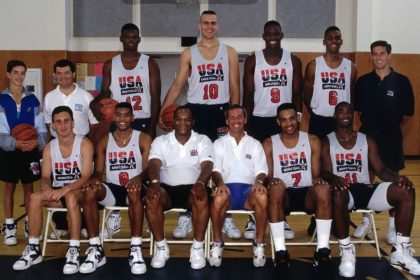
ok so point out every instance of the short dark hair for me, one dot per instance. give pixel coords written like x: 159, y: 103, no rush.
x: 61, y: 109
x: 272, y: 23
x: 381, y: 43
x: 124, y: 105
x: 184, y: 107
x: 286, y: 106
x: 65, y: 63
x: 13, y: 63
x: 342, y: 103
x: 208, y: 12
x: 236, y: 106
x: 331, y: 28
x: 130, y: 26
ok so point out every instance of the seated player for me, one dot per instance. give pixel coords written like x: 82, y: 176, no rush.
x: 346, y: 155
x: 294, y: 169
x: 68, y: 158
x: 123, y: 155
x: 180, y: 165
x: 239, y: 172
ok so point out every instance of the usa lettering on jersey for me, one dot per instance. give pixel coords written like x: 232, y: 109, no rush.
x: 348, y: 162
x: 130, y: 84
x: 274, y: 77
x: 210, y: 72
x: 293, y: 162
x: 65, y: 171
x: 121, y: 161
x: 333, y: 80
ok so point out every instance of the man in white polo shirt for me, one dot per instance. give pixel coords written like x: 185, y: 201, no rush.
x: 180, y: 165
x: 69, y: 94
x: 239, y: 172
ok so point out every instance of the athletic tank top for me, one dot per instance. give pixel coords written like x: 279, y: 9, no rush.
x: 66, y: 170
x: 293, y: 166
x: 122, y: 164
x: 350, y: 164
x: 331, y: 86
x: 132, y: 86
x: 273, y: 84
x: 209, y: 80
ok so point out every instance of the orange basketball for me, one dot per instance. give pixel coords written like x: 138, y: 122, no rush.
x: 24, y: 132
x: 108, y: 109
x: 168, y: 115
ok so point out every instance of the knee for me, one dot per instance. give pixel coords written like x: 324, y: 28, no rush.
x: 36, y: 198
x: 134, y: 197
x: 276, y: 194
x: 323, y: 194
x: 89, y: 196
x: 339, y: 198
x: 261, y: 201
x: 72, y: 200
x: 220, y: 200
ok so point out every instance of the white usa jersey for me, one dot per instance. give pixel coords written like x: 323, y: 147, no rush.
x: 293, y: 166
x: 132, y: 86
x: 122, y: 164
x: 209, y: 80
x: 352, y: 164
x: 331, y: 86
x: 66, y: 170
x: 273, y: 84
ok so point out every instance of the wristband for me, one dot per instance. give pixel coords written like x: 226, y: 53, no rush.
x: 200, y: 182
x: 154, y: 181
x: 259, y: 181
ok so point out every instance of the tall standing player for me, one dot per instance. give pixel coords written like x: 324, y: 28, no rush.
x: 20, y: 160
x: 68, y: 159
x: 212, y: 71
x: 272, y: 76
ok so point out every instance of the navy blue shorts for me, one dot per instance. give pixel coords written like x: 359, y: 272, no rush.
x: 362, y: 193
x: 321, y: 126
x: 238, y: 195
x: 20, y: 166
x: 263, y: 127
x: 209, y: 119
x: 297, y: 198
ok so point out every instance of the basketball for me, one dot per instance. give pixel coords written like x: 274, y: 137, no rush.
x: 24, y: 132
x: 108, y: 109
x: 168, y: 115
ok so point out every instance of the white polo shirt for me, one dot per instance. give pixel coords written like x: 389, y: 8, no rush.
x: 181, y: 163
x: 239, y: 163
x: 78, y: 101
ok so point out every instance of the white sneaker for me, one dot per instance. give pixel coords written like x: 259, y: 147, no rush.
x: 72, y: 260
x: 249, y: 232
x: 391, y: 236
x: 10, y: 234
x: 347, y: 266
x: 362, y: 229
x: 95, y: 258
x: 216, y: 252
x: 184, y: 226
x: 288, y: 232
x: 160, y: 256
x: 31, y: 255
x: 197, y: 258
x: 402, y: 258
x: 136, y: 260
x: 58, y: 234
x: 259, y: 254
x: 230, y: 229
x: 113, y: 224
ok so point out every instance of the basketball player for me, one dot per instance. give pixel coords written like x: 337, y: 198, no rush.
x: 132, y: 77
x: 385, y: 101
x: 123, y: 156
x: 239, y: 172
x: 295, y: 184
x: 272, y: 76
x: 68, y: 158
x: 212, y: 71
x: 68, y: 93
x: 180, y: 165
x: 346, y: 155
x: 19, y: 159
x: 329, y: 79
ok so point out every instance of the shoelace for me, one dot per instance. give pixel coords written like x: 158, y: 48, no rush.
x: 136, y: 252
x: 183, y: 222
x: 346, y: 252
x: 73, y: 255
x: 410, y: 252
x: 91, y: 252
x: 260, y: 248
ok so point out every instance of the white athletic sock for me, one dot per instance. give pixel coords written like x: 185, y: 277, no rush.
x: 161, y: 243
x: 95, y: 240
x: 277, y: 232
x: 323, y: 229
x: 366, y: 218
x: 197, y: 244
x: 10, y: 221
x: 345, y: 241
x: 33, y: 240
x: 402, y: 239
x: 391, y: 222
x: 136, y: 240
x: 74, y: 243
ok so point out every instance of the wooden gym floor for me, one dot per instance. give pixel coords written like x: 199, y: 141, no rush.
x: 237, y: 260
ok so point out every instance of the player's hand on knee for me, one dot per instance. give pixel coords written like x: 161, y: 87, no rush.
x: 339, y: 184
x: 404, y: 182
x: 274, y: 182
x: 153, y: 194
x: 259, y: 189
x: 220, y: 190
x: 133, y: 186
